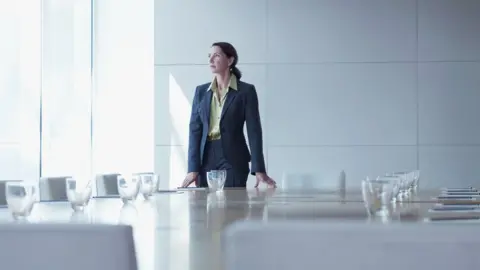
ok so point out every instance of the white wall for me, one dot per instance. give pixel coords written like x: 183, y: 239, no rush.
x: 367, y: 86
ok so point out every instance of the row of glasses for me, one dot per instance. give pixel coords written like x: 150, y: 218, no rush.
x: 129, y: 187
x: 408, y: 184
x: 380, y: 195
x: 21, y: 196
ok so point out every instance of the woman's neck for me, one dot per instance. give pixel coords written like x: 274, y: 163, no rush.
x: 223, y: 79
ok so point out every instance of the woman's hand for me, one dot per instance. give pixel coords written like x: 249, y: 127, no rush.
x: 263, y: 177
x: 189, y: 179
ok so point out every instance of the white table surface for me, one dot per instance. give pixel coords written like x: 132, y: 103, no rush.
x: 182, y: 231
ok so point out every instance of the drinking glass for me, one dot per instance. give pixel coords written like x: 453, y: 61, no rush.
x: 416, y: 180
x: 20, y: 198
x: 216, y: 179
x: 395, y: 182
x: 387, y: 195
x: 128, y: 187
x: 367, y: 196
x: 149, y: 184
x: 78, y: 193
x: 378, y: 195
x: 403, y: 185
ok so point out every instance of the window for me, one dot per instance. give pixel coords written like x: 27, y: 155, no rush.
x: 66, y: 88
x: 123, y: 86
x: 20, y: 70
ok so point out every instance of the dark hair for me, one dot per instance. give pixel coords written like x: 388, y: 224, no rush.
x: 230, y: 51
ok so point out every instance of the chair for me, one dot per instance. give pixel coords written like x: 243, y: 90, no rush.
x: 53, y: 188
x: 3, y: 197
x: 351, y: 245
x: 107, y: 185
x: 67, y: 246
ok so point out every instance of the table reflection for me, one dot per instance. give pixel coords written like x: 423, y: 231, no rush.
x: 210, y: 213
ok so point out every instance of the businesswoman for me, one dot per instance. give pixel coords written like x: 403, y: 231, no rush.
x: 219, y: 111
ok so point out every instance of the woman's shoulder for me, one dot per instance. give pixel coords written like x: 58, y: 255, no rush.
x: 242, y: 85
x: 201, y: 89
x: 204, y: 86
x: 245, y: 85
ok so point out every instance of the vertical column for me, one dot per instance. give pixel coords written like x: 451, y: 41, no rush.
x: 29, y: 59
x: 124, y: 86
x: 66, y: 88
x: 20, y: 55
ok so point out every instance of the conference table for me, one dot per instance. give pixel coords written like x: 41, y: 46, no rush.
x: 182, y: 230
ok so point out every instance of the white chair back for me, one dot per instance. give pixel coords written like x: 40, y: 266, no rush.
x: 53, y: 188
x: 106, y: 185
x: 3, y: 197
x: 345, y: 246
x: 67, y: 246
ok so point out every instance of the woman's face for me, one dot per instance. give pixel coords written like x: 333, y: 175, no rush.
x: 219, y: 62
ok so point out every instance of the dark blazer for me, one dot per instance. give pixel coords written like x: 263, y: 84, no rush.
x: 241, y: 106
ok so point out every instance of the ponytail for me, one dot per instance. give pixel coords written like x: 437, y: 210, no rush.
x: 236, y: 72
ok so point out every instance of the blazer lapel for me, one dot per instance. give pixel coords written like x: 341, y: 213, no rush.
x: 207, y: 105
x: 228, y: 101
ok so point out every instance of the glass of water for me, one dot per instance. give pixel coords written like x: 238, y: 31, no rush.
x: 20, y: 198
x: 216, y: 179
x: 149, y: 184
x: 370, y: 198
x: 78, y: 193
x: 128, y: 187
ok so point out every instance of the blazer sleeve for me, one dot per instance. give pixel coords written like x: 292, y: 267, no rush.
x: 254, y: 131
x: 195, y: 135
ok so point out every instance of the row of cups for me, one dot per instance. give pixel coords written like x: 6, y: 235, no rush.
x: 381, y: 193
x: 21, y: 195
